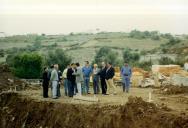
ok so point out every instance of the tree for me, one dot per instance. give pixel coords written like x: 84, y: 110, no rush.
x: 146, y: 65
x: 130, y: 57
x: 27, y: 65
x: 107, y: 55
x: 165, y: 61
x: 58, y: 57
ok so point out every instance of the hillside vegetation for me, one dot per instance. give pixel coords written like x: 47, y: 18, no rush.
x: 83, y: 46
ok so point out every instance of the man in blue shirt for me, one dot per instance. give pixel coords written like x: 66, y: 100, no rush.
x: 126, y: 74
x: 87, y: 70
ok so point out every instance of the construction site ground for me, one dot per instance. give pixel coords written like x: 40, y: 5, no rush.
x: 176, y: 102
x: 27, y: 108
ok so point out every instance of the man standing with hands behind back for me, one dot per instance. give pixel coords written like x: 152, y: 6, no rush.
x: 126, y: 74
x: 87, y: 70
x: 54, y: 80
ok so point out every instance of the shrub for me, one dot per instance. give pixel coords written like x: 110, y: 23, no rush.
x: 27, y: 65
x: 58, y: 57
x: 166, y: 61
x: 107, y: 55
x: 173, y: 41
x: 146, y: 65
x: 164, y: 50
x: 154, y: 35
x: 180, y: 61
x: 2, y: 54
x: 130, y: 57
x: 143, y: 52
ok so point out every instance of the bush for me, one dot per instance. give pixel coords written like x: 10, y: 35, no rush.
x: 167, y: 36
x: 164, y: 50
x: 180, y: 61
x: 2, y: 54
x: 154, y: 35
x: 146, y: 65
x: 27, y: 65
x: 130, y: 57
x: 58, y: 57
x: 173, y: 41
x: 107, y: 55
x: 137, y: 34
x: 166, y: 61
x: 143, y: 52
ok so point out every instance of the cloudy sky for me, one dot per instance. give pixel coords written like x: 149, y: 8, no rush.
x: 65, y: 16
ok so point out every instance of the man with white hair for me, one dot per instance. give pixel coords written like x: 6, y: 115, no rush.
x: 95, y: 76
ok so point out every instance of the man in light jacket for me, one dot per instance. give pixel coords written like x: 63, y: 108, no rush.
x: 95, y: 77
x: 79, y: 78
x: 65, y: 81
x: 54, y: 80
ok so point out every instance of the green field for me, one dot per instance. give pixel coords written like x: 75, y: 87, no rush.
x: 83, y: 46
x: 140, y: 44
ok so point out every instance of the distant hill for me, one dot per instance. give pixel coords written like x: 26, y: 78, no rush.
x: 83, y: 46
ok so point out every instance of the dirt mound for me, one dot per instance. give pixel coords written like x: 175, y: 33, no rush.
x: 4, y: 68
x: 7, y: 79
x: 17, y: 111
x: 140, y: 71
x: 172, y: 89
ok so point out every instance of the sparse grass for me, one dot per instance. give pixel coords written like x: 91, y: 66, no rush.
x: 140, y: 44
x: 8, y: 45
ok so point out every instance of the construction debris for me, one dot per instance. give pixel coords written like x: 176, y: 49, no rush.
x: 147, y: 82
x: 171, y: 89
x: 178, y: 79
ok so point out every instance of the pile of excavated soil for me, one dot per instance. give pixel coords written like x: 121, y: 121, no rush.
x: 7, y: 79
x: 168, y: 71
x: 16, y: 111
x: 139, y: 71
x: 172, y: 89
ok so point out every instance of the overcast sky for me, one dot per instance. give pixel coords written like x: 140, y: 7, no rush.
x: 64, y: 16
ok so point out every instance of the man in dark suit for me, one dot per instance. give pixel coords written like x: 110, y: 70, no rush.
x: 102, y: 75
x: 71, y: 80
x: 110, y: 72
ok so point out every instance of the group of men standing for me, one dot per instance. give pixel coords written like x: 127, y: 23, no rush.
x: 76, y: 79
x: 52, y: 77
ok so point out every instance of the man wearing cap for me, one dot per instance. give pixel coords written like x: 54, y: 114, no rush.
x: 126, y: 73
